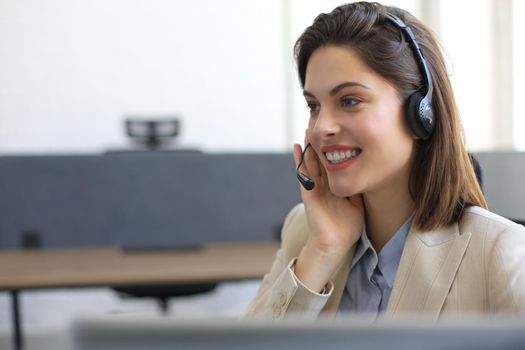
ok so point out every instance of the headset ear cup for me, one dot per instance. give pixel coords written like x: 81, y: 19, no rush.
x: 413, y: 117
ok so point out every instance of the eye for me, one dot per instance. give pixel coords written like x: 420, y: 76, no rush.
x: 313, y: 107
x: 348, y: 101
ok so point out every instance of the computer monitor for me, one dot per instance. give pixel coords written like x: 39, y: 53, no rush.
x: 164, y: 333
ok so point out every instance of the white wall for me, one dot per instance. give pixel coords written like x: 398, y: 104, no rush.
x: 468, y: 49
x: 519, y: 73
x: 71, y: 69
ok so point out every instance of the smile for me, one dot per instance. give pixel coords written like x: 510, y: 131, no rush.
x: 341, y: 156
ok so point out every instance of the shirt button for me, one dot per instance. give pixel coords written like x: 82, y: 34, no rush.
x: 283, y: 298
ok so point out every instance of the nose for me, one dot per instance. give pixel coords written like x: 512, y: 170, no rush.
x: 325, y: 124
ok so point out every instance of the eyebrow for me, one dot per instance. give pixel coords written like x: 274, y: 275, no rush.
x: 338, y: 88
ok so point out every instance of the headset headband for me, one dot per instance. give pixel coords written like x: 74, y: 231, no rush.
x: 420, y: 58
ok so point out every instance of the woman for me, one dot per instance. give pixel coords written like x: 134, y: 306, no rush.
x: 396, y: 222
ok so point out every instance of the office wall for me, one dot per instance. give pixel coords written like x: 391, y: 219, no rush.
x: 71, y: 69
x: 519, y: 72
x: 470, y: 60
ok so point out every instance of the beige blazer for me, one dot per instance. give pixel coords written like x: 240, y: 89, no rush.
x: 476, y: 265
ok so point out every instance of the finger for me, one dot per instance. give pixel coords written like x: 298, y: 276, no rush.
x: 297, y: 154
x: 297, y: 150
x: 311, y: 157
x: 312, y: 162
x: 299, y: 161
x: 298, y: 157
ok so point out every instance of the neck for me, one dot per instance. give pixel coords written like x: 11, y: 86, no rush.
x: 386, y: 210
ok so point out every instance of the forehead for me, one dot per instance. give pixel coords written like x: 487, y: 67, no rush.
x: 331, y: 65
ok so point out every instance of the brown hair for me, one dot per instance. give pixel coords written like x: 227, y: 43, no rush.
x: 442, y: 179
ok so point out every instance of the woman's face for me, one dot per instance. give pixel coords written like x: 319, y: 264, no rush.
x: 357, y: 123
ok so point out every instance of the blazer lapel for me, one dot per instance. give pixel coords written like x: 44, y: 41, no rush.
x: 426, y: 271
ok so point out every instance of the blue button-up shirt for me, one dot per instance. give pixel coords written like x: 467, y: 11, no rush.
x: 372, y: 275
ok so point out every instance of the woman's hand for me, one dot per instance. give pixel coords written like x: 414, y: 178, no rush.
x: 335, y: 224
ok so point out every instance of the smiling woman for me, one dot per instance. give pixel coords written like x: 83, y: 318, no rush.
x: 396, y: 222
x: 363, y: 117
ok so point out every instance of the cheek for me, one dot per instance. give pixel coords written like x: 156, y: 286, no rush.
x: 398, y: 146
x: 389, y: 122
x: 386, y: 135
x: 370, y: 132
x: 311, y: 126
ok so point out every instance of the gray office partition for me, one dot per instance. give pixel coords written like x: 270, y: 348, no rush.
x: 144, y: 200
x: 503, y: 174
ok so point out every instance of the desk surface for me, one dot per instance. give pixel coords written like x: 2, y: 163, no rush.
x: 85, y: 267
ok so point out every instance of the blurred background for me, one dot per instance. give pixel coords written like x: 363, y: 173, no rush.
x: 73, y: 71
x: 70, y: 71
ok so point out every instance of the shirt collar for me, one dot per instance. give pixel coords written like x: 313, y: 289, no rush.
x: 388, y: 259
x: 363, y: 244
x: 390, y: 256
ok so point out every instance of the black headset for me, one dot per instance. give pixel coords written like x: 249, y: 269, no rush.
x: 419, y: 110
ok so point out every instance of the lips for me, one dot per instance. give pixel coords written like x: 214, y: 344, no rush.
x: 340, y: 157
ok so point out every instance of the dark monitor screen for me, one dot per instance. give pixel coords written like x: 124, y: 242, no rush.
x: 162, y: 334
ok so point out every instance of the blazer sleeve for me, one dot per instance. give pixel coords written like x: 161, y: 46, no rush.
x: 281, y: 293
x: 506, y: 271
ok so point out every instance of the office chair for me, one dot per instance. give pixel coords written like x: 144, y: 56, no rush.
x: 162, y: 293
x: 479, y: 175
x: 477, y: 170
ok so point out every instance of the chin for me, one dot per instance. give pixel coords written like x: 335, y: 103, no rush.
x: 342, y: 190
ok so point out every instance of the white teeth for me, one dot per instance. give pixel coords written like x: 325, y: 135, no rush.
x: 338, y: 157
